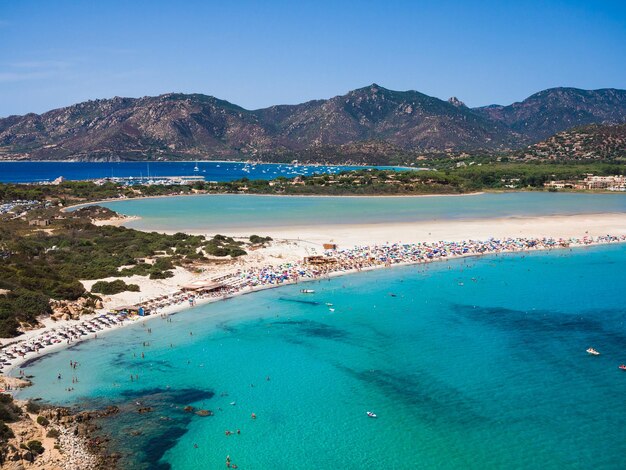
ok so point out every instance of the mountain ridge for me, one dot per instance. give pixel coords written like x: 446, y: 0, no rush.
x: 191, y: 126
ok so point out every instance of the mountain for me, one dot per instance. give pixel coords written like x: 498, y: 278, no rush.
x: 557, y: 109
x: 370, y: 124
x: 594, y: 142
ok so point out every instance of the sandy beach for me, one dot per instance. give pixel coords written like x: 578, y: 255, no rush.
x: 345, y: 235
x: 292, y: 244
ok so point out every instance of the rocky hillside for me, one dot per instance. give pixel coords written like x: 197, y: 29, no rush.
x: 557, y: 109
x: 594, y: 142
x: 370, y: 124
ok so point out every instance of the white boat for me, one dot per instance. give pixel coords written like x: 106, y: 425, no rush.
x: 371, y: 414
x: 331, y: 309
x: 307, y: 291
x: 593, y: 352
x: 196, y: 168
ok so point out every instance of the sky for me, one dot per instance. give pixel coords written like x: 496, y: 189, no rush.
x: 260, y: 53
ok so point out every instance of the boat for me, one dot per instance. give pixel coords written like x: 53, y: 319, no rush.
x: 593, y: 352
x: 307, y: 291
x: 623, y: 367
x: 371, y: 414
x: 331, y: 309
x: 196, y: 168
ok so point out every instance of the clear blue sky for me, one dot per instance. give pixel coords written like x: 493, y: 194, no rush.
x: 255, y: 54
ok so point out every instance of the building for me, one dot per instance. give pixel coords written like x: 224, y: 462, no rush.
x: 202, y: 286
x: 608, y: 183
x: 39, y: 222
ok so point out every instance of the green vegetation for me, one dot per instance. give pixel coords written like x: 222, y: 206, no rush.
x: 33, y: 407
x: 113, y: 287
x: 9, y: 411
x: 5, y: 432
x: 36, y: 266
x: 43, y: 421
x: 257, y: 240
x: 39, y: 265
x: 34, y: 446
x: 221, y: 245
x: 53, y: 433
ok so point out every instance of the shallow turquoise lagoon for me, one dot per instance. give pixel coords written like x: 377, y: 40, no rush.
x: 474, y: 363
x: 238, y: 212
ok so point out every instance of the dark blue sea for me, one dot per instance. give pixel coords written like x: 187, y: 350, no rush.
x: 31, y: 172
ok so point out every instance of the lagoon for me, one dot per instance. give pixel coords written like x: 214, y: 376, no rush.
x: 224, y: 213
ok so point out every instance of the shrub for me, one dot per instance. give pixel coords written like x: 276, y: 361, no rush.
x: 113, y: 287
x: 234, y: 252
x: 257, y: 240
x: 5, y: 432
x: 53, y: 433
x: 9, y: 411
x: 33, y: 407
x: 35, y: 447
x: 42, y: 421
x: 161, y: 274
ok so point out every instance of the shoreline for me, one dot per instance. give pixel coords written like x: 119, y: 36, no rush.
x: 356, y: 196
x: 184, y: 306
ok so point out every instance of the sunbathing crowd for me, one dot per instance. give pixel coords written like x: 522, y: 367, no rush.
x: 365, y: 257
x: 331, y: 262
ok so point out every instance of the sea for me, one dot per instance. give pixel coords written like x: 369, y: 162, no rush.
x: 37, y: 172
x: 236, y: 213
x: 471, y: 363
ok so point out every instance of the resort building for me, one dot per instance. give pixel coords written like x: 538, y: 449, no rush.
x: 591, y: 182
x: 608, y: 183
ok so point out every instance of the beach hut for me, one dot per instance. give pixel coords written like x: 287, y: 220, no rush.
x: 128, y: 310
x: 202, y: 286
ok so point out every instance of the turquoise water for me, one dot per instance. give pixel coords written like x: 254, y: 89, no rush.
x: 473, y: 363
x: 238, y: 212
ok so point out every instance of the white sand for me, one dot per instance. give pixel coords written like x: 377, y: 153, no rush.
x: 561, y: 226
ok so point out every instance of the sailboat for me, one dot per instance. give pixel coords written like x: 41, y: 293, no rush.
x: 196, y: 168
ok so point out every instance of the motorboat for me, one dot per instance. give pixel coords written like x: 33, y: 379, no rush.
x: 371, y: 414
x: 307, y: 291
x: 593, y: 352
x: 623, y: 367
